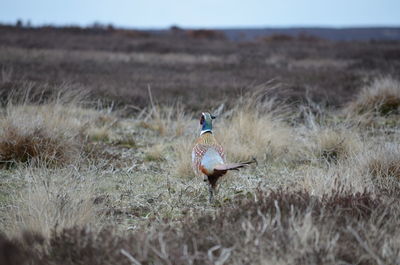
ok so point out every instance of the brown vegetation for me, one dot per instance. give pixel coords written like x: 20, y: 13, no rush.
x: 42, y: 134
x: 382, y: 97
x: 279, y: 227
x: 119, y: 68
x: 107, y: 179
x: 205, y: 34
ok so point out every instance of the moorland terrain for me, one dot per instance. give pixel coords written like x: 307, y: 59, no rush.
x: 97, y: 127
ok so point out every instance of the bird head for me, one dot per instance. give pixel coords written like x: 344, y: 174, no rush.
x: 206, y: 122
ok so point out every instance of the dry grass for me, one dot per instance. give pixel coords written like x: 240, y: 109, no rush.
x: 45, y: 133
x: 280, y: 227
x: 275, y: 213
x: 56, y: 56
x: 348, y: 174
x: 324, y: 191
x: 383, y: 162
x: 381, y: 97
x: 52, y: 201
x: 52, y: 129
x: 319, y: 63
x: 155, y: 153
x: 321, y: 193
x: 332, y: 144
x: 182, y: 165
x: 165, y: 121
x: 99, y: 134
x: 257, y: 128
x: 248, y: 134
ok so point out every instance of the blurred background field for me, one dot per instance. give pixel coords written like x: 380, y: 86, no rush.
x: 201, y: 69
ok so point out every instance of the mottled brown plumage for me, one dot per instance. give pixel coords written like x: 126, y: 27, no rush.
x: 204, y: 143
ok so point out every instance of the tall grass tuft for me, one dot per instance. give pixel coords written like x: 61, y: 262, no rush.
x: 165, y: 121
x: 182, y: 163
x: 51, y: 201
x: 383, y: 162
x: 38, y: 133
x: 51, y: 130
x: 381, y: 97
x: 332, y: 144
x: 257, y: 127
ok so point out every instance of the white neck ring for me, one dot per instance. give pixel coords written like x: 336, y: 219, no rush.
x: 204, y: 131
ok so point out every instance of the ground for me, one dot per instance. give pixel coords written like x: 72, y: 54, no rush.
x: 96, y: 137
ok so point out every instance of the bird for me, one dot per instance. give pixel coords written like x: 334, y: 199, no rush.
x: 208, y: 157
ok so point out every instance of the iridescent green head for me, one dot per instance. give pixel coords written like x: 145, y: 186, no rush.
x: 206, y: 122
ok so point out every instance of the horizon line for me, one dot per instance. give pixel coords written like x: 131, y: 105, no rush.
x: 230, y: 27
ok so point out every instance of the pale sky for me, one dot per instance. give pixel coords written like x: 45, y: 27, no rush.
x: 204, y: 13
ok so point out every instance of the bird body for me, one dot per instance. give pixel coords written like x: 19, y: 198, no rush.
x: 208, y: 158
x: 206, y: 155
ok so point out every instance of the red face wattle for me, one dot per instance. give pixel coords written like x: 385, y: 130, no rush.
x: 201, y: 120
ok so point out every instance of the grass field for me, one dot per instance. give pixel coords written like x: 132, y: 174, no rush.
x: 95, y: 151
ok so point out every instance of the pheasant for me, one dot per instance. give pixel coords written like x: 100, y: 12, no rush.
x: 208, y: 158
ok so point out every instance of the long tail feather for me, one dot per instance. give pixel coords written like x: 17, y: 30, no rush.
x: 231, y: 166
x: 234, y: 166
x: 221, y: 170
